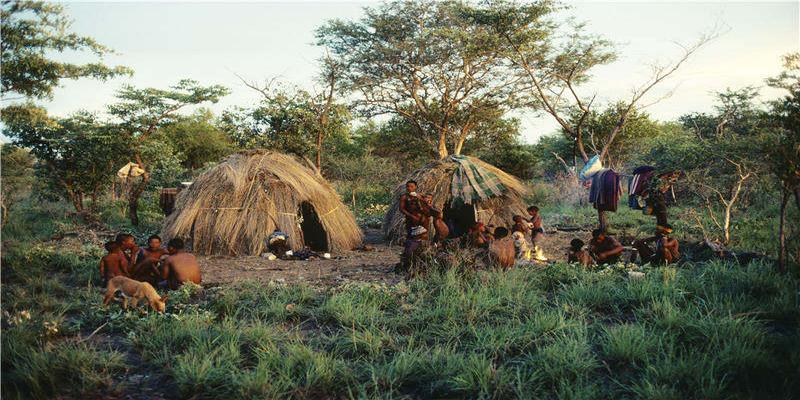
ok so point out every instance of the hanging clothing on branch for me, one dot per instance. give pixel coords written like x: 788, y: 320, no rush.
x: 605, y: 190
x: 638, y: 184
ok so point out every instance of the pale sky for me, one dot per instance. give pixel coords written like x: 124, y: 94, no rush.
x: 210, y: 41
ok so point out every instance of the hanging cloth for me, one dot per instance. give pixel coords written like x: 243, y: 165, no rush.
x: 130, y: 169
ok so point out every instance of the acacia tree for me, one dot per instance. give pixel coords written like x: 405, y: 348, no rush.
x: 289, y: 119
x: 75, y: 155
x: 143, y: 111
x: 555, y: 64
x: 32, y: 32
x: 783, y: 151
x: 430, y: 63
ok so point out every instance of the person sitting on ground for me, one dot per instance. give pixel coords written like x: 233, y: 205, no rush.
x: 523, y: 249
x: 520, y: 225
x: 278, y: 243
x: 128, y: 246
x: 411, y: 206
x: 413, y: 247
x: 114, y: 263
x: 478, y: 236
x: 148, y: 260
x: 666, y: 251
x: 606, y: 249
x: 179, y: 267
x: 441, y: 228
x: 577, y: 254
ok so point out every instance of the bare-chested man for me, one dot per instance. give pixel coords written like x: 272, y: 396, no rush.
x: 128, y: 246
x: 606, y: 249
x: 148, y: 259
x: 114, y: 263
x: 666, y: 251
x: 179, y: 266
x: 411, y: 206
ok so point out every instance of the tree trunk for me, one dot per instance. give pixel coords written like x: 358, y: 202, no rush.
x: 726, y: 227
x: 601, y: 219
x: 459, y: 146
x: 318, y: 160
x: 442, y: 149
x: 77, y: 201
x: 353, y: 194
x: 133, y: 199
x: 797, y: 197
x: 782, y: 232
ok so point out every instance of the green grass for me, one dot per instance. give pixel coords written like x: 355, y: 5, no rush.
x: 704, y: 330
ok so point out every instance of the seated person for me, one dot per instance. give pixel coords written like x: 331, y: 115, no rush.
x: 523, y: 249
x: 114, y: 263
x: 606, y: 249
x: 413, y: 247
x: 148, y: 259
x: 278, y: 243
x: 441, y: 228
x: 577, y: 254
x: 478, y: 236
x: 128, y: 246
x: 179, y: 266
x: 666, y: 251
x: 520, y: 225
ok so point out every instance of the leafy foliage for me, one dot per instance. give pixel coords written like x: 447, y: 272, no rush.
x: 32, y: 31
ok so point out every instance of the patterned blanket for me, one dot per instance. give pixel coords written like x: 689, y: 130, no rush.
x: 471, y: 182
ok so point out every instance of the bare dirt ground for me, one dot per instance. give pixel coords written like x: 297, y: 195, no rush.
x: 364, y: 266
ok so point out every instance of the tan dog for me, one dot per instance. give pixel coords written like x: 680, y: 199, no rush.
x: 135, y: 291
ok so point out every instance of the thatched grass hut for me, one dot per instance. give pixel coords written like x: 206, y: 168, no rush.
x: 457, y: 184
x: 234, y: 207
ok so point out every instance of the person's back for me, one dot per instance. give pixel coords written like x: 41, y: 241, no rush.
x: 114, y: 263
x: 180, y: 266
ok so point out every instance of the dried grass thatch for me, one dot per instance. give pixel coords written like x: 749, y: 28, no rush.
x: 235, y: 206
x: 435, y: 178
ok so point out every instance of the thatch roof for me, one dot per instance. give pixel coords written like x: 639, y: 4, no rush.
x: 235, y: 206
x: 436, y: 178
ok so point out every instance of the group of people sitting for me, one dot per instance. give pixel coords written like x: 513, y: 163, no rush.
x: 164, y: 268
x: 421, y: 214
x: 526, y: 233
x: 605, y: 249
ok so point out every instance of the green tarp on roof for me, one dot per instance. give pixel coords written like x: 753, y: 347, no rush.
x: 471, y: 183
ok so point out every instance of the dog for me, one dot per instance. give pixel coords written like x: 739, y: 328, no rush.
x: 135, y: 291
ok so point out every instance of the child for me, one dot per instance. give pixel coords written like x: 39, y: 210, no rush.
x: 577, y: 254
x: 148, y: 259
x: 114, y: 263
x: 521, y: 245
x: 520, y: 225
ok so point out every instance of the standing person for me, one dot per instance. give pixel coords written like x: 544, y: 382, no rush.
x: 411, y: 206
x: 666, y: 251
x: 606, y: 249
x: 128, y: 246
x: 114, y: 263
x: 148, y: 259
x: 412, y: 248
x: 179, y: 267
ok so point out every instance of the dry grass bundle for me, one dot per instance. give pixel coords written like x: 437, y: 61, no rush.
x: 435, y: 178
x: 235, y: 206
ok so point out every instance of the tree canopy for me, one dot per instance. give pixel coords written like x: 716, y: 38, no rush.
x: 32, y: 31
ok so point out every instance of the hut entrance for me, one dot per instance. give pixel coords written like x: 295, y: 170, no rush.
x: 459, y: 218
x: 314, y: 234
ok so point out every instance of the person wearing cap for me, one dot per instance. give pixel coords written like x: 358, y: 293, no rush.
x: 604, y: 248
x: 666, y: 251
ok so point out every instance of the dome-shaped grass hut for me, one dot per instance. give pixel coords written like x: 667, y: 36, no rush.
x: 466, y: 190
x: 234, y: 207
